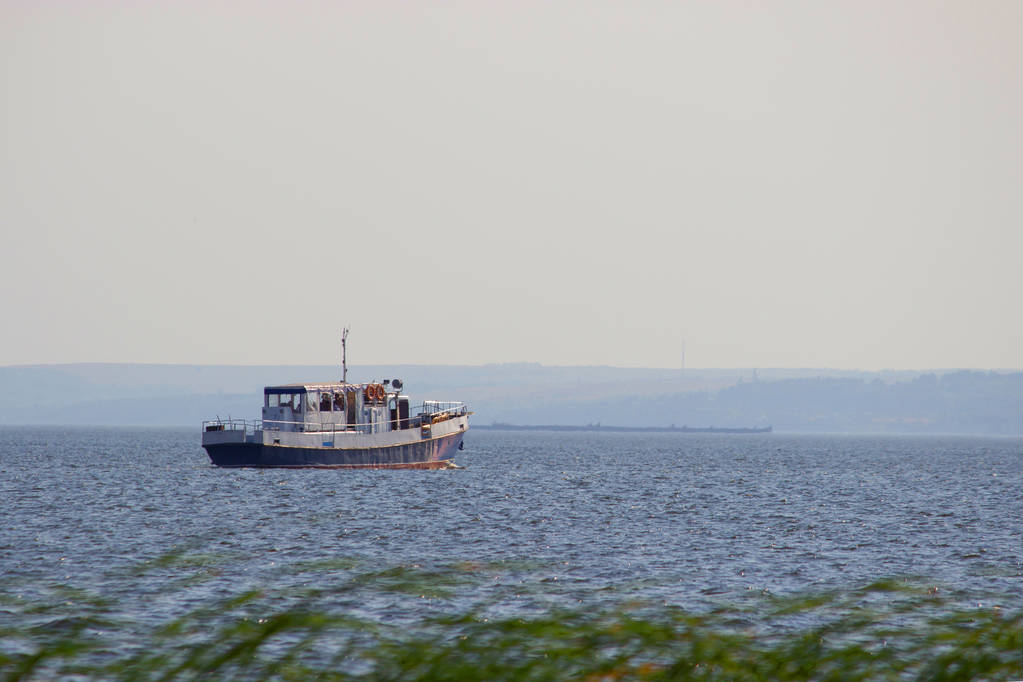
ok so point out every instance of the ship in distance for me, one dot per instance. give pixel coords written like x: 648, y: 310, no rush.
x: 340, y: 425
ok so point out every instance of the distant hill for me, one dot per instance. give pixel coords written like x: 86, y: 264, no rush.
x: 800, y: 400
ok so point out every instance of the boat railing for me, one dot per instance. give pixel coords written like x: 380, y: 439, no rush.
x: 333, y: 427
x: 250, y: 427
x: 434, y: 407
x: 341, y: 428
x: 431, y: 411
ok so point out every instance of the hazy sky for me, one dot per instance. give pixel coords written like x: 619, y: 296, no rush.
x: 781, y: 184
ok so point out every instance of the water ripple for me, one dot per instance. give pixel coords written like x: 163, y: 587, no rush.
x: 680, y: 518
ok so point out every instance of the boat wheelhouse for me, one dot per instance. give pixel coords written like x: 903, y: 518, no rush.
x: 343, y: 425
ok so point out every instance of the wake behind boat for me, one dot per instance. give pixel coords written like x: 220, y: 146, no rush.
x: 340, y: 425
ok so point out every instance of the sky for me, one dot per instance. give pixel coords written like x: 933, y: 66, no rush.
x: 764, y: 184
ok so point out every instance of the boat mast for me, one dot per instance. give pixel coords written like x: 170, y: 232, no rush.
x: 344, y: 355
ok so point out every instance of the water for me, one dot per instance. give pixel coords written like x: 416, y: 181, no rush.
x: 536, y: 518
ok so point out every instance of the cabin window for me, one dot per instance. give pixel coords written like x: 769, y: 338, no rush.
x: 292, y: 400
x: 312, y: 402
x: 324, y: 402
x: 339, y: 402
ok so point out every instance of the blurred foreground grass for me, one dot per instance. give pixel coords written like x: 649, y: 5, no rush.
x: 887, y: 630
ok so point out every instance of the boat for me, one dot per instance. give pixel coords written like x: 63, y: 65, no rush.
x: 369, y: 425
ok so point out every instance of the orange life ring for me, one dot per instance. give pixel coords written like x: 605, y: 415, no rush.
x: 375, y: 393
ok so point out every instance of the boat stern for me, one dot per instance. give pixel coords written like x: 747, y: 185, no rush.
x: 230, y: 431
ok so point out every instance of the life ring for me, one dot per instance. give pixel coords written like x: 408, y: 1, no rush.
x: 375, y: 393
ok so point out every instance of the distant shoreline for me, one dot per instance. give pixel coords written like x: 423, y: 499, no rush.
x: 497, y: 426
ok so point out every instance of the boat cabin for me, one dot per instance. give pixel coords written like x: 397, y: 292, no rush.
x: 362, y: 408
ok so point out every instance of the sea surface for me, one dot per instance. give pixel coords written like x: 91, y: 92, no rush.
x: 139, y: 518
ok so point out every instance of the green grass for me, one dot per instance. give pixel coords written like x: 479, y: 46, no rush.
x: 888, y: 630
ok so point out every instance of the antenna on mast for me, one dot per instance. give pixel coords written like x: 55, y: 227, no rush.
x: 344, y: 355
